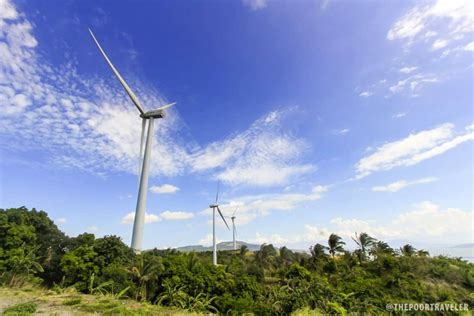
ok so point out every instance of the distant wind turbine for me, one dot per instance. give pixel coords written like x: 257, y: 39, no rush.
x: 234, y: 232
x: 214, y: 207
x: 147, y: 117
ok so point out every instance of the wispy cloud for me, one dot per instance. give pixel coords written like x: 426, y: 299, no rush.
x: 366, y: 94
x: 341, y: 132
x: 164, y: 189
x: 262, y: 155
x: 407, y: 70
x: 452, y: 17
x: 412, y: 149
x: 61, y: 220
x: 401, y: 184
x: 255, y: 4
x: 251, y: 207
x: 400, y: 115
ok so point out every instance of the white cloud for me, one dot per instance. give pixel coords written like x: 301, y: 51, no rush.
x: 398, y: 185
x: 413, y: 83
x: 253, y: 206
x: 149, y: 218
x: 425, y: 222
x: 164, y: 189
x: 366, y: 94
x: 343, y: 131
x: 61, y: 220
x: 309, y: 234
x: 207, y: 240
x: 262, y: 155
x: 412, y: 149
x: 438, y: 44
x: 400, y: 115
x: 178, y: 215
x: 255, y: 4
x: 469, y: 47
x: 457, y: 17
x: 407, y: 70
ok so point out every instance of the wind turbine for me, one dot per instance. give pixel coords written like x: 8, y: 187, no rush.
x: 214, y: 207
x: 233, y: 229
x: 147, y: 119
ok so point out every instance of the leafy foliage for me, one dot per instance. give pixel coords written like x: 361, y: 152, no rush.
x: 270, y: 281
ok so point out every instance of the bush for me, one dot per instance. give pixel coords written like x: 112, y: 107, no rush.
x: 21, y: 309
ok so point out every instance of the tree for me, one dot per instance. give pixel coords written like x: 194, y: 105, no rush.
x: 335, y: 244
x: 407, y: 250
x: 380, y: 248
x: 145, y: 270
x: 318, y: 251
x: 363, y: 241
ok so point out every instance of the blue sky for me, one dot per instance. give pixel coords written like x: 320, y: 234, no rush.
x: 316, y: 116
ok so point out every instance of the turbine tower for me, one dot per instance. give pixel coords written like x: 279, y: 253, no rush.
x: 147, y: 119
x: 214, y: 207
x: 233, y: 229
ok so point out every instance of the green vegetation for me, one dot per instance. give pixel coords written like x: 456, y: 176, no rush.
x: 271, y: 281
x: 21, y: 309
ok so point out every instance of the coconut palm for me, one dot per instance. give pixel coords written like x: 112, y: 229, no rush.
x: 318, y: 251
x: 381, y: 248
x: 407, y: 250
x: 363, y: 241
x: 144, y: 272
x: 335, y: 244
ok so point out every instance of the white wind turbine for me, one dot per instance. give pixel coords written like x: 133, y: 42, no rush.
x: 147, y: 117
x: 234, y: 231
x: 214, y: 207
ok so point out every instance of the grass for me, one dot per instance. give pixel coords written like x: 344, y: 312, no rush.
x: 33, y: 299
x: 72, y: 301
x: 27, y: 308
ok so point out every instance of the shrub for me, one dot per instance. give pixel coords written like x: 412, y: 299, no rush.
x: 21, y: 309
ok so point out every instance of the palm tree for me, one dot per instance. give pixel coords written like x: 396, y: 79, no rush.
x: 143, y: 272
x: 381, y: 248
x: 318, y: 251
x: 335, y: 244
x: 407, y: 250
x: 363, y: 241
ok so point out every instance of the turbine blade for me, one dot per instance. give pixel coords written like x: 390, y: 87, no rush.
x: 235, y: 211
x: 129, y: 91
x: 217, y: 193
x: 164, y: 107
x: 222, y: 216
x: 142, y: 139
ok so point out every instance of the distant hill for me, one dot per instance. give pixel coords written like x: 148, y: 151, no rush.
x: 468, y: 245
x: 225, y: 245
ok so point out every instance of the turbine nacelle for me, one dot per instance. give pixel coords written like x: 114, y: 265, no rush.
x: 158, y: 113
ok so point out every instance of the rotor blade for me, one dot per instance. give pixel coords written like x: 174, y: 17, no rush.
x: 217, y: 193
x: 220, y: 213
x: 164, y: 107
x: 235, y: 211
x: 129, y: 91
x: 142, y: 139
